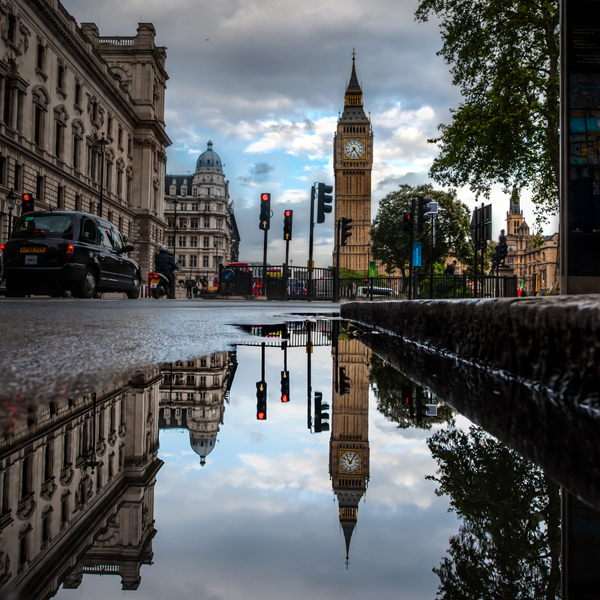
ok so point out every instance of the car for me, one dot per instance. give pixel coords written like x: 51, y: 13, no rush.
x: 366, y: 291
x: 54, y: 252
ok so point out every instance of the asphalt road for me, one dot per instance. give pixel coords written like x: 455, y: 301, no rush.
x: 55, y: 348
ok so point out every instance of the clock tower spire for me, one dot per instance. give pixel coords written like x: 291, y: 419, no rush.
x: 352, y: 165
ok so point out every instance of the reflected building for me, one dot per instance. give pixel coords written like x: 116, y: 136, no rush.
x: 349, y: 442
x: 193, y: 396
x: 77, y: 490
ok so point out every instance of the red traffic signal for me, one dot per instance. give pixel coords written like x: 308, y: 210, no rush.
x: 27, y: 203
x: 288, y: 217
x: 265, y: 197
x: 265, y: 212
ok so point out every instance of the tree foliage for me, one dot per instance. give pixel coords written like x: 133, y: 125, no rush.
x: 504, y: 57
x: 389, y: 385
x: 508, y: 545
x: 391, y: 245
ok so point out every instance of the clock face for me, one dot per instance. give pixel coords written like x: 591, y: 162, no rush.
x: 350, y: 462
x: 354, y: 148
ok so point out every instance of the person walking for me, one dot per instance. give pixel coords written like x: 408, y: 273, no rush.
x: 164, y: 263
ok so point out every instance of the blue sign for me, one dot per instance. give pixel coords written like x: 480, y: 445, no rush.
x: 228, y: 275
x: 417, y: 254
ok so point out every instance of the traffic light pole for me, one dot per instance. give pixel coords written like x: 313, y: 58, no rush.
x: 310, y: 243
x: 410, y: 249
x: 264, y: 269
x: 336, y: 272
x: 308, y: 325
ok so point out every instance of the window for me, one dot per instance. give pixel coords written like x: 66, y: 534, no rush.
x: 2, y: 170
x: 219, y: 223
x: 215, y: 262
x: 207, y: 191
x: 193, y: 242
x: 181, y: 260
x: 11, y: 27
x: 170, y: 241
x: 193, y: 261
x: 194, y: 223
x: 184, y: 192
x: 173, y: 190
x: 182, y: 240
x: 171, y: 222
x: 206, y: 242
x: 60, y: 80
x: 195, y: 192
x: 202, y: 380
x: 173, y: 181
x: 59, y: 140
x: 38, y: 126
x: 205, y: 261
x: 194, y: 206
x: 39, y: 188
x: 183, y: 223
x: 217, y: 192
x: 120, y: 137
x: 78, y: 88
x: 60, y: 198
x: 41, y: 54
x: 18, y: 177
x: 206, y: 222
x: 207, y: 206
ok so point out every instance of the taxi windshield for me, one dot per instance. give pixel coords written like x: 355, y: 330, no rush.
x: 32, y: 225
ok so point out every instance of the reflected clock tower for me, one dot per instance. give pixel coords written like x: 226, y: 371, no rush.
x: 352, y: 165
x: 349, y: 442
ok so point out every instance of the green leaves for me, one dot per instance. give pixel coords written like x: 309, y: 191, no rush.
x: 503, y: 55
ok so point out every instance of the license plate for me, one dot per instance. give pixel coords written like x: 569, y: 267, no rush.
x: 31, y: 259
x: 154, y: 283
x: 32, y: 250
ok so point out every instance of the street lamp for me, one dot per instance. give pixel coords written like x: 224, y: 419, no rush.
x: 103, y: 142
x: 175, y: 202
x: 11, y: 201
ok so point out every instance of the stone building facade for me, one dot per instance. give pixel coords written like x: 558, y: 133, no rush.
x: 352, y: 166
x: 77, y: 481
x: 204, y: 235
x: 533, y: 259
x: 62, y: 89
x: 193, y: 396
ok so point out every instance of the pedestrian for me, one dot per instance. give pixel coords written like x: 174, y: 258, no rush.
x: 189, y: 284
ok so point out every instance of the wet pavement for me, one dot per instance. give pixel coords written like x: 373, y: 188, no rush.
x: 145, y: 465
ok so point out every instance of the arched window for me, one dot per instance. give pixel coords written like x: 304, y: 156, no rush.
x: 41, y: 100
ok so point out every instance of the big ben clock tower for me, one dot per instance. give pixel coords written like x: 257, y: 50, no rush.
x: 349, y: 461
x: 352, y: 165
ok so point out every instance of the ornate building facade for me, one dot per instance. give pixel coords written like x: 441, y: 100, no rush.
x: 77, y: 481
x: 352, y: 165
x: 349, y: 461
x: 534, y: 260
x: 64, y: 88
x: 204, y: 234
x: 193, y: 396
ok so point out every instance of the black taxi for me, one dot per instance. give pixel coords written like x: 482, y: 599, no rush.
x: 51, y: 252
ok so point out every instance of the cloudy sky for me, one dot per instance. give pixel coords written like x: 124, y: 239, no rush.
x: 265, y: 80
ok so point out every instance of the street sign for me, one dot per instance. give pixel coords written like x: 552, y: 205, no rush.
x: 228, y: 275
x: 481, y: 226
x: 372, y: 269
x: 417, y: 253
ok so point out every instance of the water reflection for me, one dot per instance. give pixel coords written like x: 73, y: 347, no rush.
x: 78, y: 480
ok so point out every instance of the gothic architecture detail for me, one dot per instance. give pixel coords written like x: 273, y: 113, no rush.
x: 352, y: 165
x: 52, y: 69
x: 349, y: 461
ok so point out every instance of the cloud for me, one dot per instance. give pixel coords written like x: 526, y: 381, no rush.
x: 257, y: 174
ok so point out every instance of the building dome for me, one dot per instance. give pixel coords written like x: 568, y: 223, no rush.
x: 209, y: 158
x: 202, y: 447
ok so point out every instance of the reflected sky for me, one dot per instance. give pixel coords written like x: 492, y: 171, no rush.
x: 255, y: 514
x: 261, y: 520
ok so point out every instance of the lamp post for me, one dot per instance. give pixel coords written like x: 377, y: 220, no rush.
x: 11, y: 201
x: 175, y: 202
x: 102, y: 142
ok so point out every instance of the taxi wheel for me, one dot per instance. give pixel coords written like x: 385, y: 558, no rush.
x: 87, y: 285
x: 14, y: 290
x: 134, y: 292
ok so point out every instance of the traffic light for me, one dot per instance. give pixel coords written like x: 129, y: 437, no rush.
x: 423, y: 209
x: 265, y: 211
x: 288, y: 217
x: 346, y: 227
x: 321, y: 416
x: 407, y: 222
x: 324, y: 200
x: 344, y: 382
x: 27, y: 203
x: 285, y: 386
x: 261, y: 400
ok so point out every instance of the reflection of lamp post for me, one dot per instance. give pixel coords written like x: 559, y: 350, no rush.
x: 94, y: 462
x: 11, y: 201
x: 103, y: 142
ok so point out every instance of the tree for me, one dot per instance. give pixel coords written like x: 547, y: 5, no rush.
x: 509, y: 541
x: 504, y: 57
x: 391, y: 245
x: 389, y: 385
